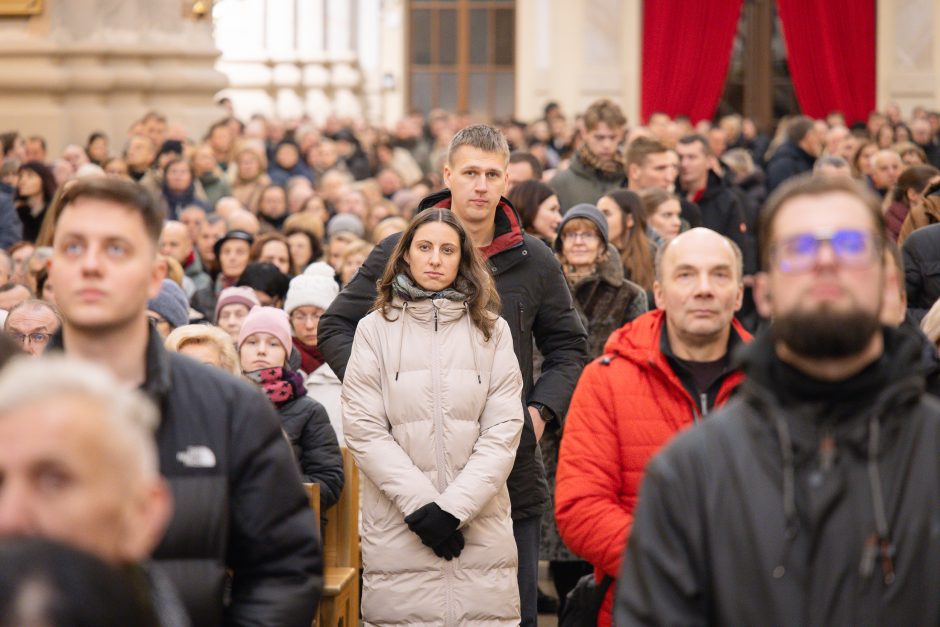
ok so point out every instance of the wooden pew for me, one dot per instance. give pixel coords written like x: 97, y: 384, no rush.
x: 339, y: 605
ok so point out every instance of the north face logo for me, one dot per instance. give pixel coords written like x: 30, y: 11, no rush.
x: 197, y: 457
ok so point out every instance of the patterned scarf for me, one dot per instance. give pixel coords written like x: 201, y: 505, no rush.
x: 609, y: 168
x: 407, y: 290
x: 280, y: 384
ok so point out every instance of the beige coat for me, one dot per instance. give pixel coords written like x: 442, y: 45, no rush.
x: 431, y: 412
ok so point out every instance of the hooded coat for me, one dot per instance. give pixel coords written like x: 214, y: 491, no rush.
x: 768, y: 512
x: 628, y: 404
x: 606, y: 301
x: 432, y: 412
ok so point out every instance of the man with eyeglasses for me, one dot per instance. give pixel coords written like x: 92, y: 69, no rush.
x: 31, y: 323
x: 812, y: 497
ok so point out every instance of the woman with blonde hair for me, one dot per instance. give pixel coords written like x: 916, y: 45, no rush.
x: 432, y: 413
x: 206, y: 344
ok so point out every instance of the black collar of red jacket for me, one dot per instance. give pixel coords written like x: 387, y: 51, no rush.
x: 508, y: 232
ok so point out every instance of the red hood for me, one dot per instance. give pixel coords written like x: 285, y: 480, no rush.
x: 638, y: 340
x: 508, y: 233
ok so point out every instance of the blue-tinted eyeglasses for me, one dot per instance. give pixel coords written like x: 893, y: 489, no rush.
x: 851, y: 247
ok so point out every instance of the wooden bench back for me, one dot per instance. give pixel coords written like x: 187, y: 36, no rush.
x: 341, y: 536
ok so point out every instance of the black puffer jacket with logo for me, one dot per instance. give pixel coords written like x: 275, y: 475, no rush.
x: 238, y: 500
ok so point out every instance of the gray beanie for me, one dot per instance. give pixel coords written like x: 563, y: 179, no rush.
x: 345, y: 222
x: 587, y: 212
x: 171, y: 303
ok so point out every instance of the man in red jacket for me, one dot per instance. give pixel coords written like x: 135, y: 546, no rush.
x: 659, y: 373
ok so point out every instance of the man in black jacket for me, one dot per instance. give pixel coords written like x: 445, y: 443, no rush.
x: 535, y: 301
x: 796, y: 155
x: 722, y: 209
x: 922, y: 270
x: 812, y: 498
x: 240, y: 508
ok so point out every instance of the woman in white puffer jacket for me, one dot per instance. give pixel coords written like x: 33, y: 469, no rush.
x: 432, y: 412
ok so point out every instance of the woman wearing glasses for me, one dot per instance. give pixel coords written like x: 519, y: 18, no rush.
x: 605, y: 301
x: 308, y: 297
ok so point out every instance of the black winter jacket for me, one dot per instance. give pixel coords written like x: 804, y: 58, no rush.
x: 11, y: 229
x: 761, y: 514
x: 724, y: 212
x: 921, y: 253
x: 535, y: 302
x: 313, y: 439
x: 238, y: 501
x: 790, y: 160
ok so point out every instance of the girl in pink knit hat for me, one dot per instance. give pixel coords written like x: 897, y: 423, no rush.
x: 264, y: 344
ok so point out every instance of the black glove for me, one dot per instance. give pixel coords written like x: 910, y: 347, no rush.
x: 432, y: 524
x: 451, y: 547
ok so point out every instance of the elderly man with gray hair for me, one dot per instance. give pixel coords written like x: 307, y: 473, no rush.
x: 78, y: 464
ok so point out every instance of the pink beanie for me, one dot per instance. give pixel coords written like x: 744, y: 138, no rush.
x: 236, y: 295
x: 267, y: 320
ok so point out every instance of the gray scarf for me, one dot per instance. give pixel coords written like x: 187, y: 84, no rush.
x: 407, y: 290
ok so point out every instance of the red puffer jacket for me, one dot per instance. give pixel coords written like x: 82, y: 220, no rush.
x: 627, y: 405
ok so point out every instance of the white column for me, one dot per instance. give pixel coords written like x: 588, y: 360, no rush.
x: 908, y: 57
x: 394, y: 64
x: 368, y: 45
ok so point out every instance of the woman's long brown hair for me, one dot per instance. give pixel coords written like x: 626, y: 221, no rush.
x: 634, y: 247
x: 473, y: 278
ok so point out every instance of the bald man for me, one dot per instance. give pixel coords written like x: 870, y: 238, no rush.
x: 243, y: 220
x: 662, y: 372
x: 176, y: 242
x: 886, y: 166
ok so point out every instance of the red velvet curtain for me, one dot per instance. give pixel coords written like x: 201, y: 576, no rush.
x: 686, y: 51
x: 831, y: 52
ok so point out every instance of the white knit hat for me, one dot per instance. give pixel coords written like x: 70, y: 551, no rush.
x: 316, y: 286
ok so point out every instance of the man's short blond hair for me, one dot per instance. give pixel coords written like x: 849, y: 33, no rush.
x: 480, y: 136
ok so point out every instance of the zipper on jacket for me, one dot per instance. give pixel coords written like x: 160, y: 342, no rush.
x: 435, y: 318
x: 521, y: 320
x: 827, y: 448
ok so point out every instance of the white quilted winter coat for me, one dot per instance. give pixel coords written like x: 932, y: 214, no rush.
x: 431, y: 412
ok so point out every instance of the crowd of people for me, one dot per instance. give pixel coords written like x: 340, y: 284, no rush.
x: 508, y: 326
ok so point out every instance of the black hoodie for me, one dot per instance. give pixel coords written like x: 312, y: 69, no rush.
x: 799, y: 503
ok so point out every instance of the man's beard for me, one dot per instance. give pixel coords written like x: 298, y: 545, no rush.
x: 824, y: 333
